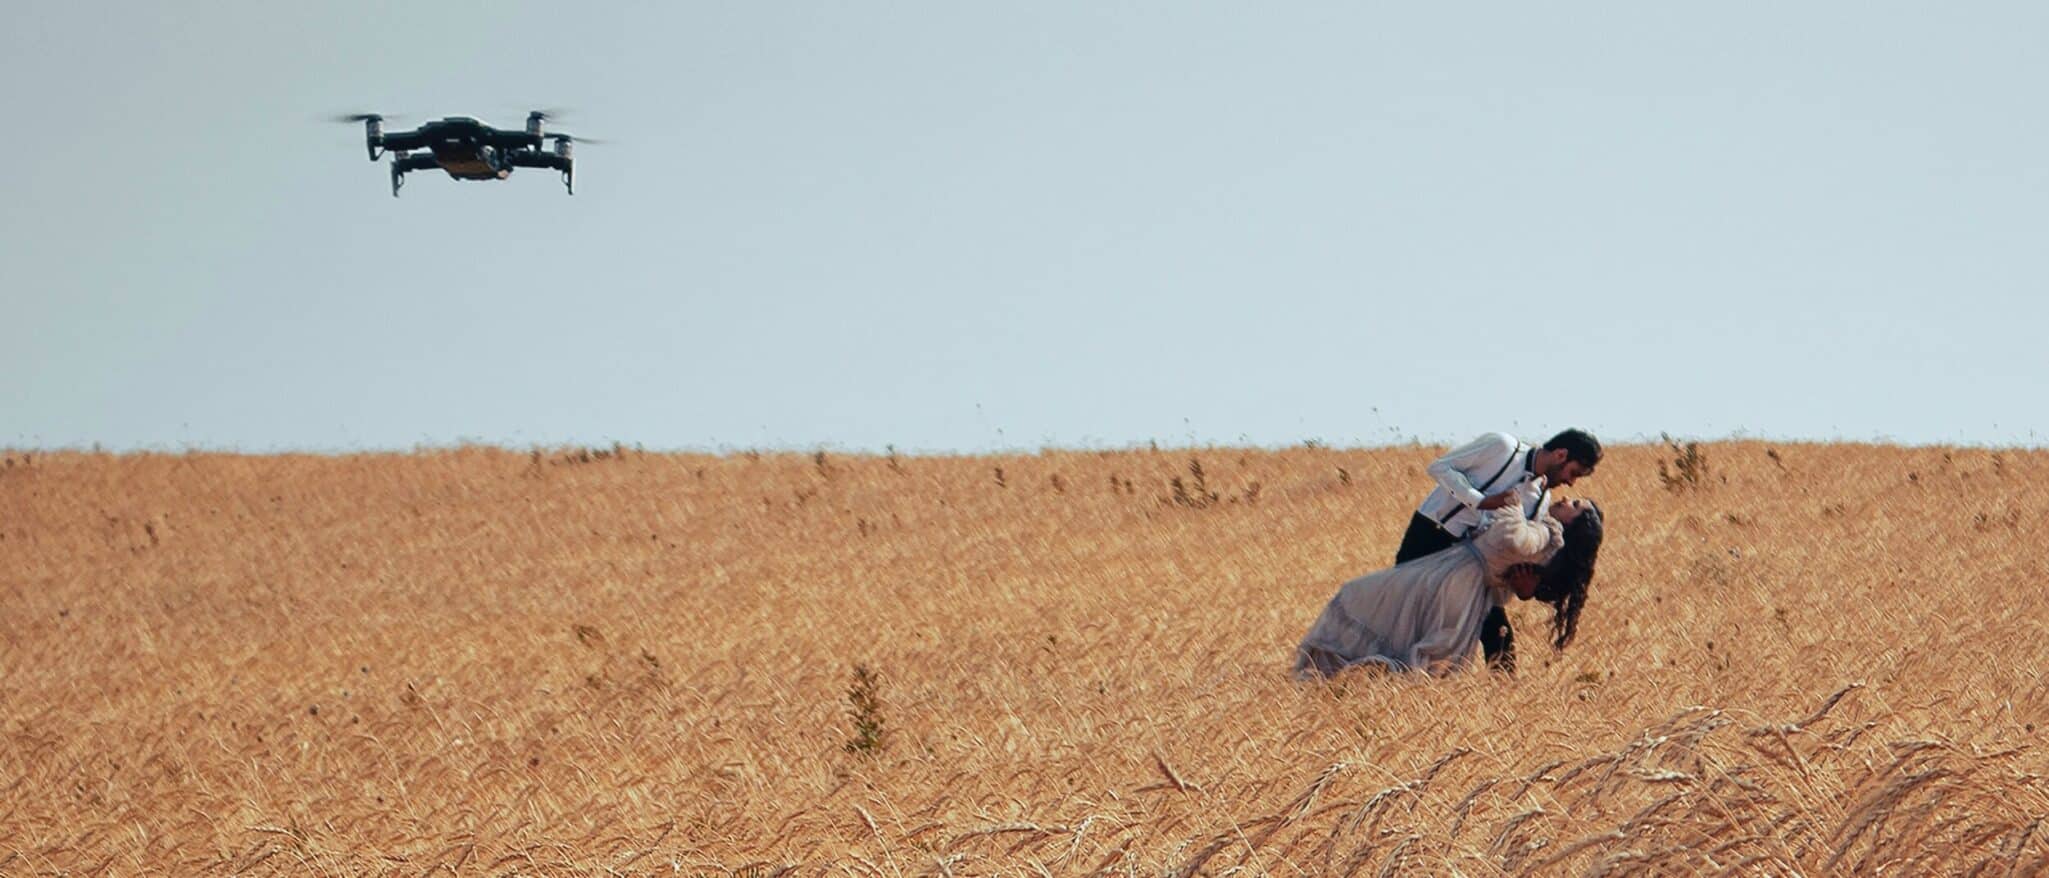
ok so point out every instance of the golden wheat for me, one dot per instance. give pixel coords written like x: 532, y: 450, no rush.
x: 1820, y: 659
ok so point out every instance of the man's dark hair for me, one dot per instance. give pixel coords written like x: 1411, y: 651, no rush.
x: 1580, y: 447
x: 1564, y: 582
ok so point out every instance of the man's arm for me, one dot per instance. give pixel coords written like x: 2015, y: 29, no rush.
x: 1456, y: 469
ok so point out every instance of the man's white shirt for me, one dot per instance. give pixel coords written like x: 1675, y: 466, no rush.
x: 1466, y: 475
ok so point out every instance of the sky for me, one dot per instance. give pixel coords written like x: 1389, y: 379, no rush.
x: 971, y: 227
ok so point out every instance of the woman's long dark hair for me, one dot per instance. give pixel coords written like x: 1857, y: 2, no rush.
x: 1565, y: 579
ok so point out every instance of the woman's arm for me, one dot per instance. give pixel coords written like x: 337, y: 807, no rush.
x: 1510, y: 538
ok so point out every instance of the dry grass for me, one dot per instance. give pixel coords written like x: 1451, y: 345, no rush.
x: 1826, y: 659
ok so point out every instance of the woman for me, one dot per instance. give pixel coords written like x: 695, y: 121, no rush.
x: 1425, y: 614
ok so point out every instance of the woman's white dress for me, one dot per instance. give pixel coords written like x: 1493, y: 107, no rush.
x: 1426, y: 614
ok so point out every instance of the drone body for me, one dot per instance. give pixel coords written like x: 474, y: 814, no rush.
x: 468, y: 149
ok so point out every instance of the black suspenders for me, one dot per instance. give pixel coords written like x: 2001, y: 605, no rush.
x: 1457, y: 508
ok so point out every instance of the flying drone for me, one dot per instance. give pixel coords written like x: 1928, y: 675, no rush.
x: 468, y: 149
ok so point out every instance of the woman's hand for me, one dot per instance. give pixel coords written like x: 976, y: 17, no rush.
x: 1522, y: 579
x: 1496, y: 501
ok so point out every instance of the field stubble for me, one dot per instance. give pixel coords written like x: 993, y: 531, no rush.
x: 1820, y: 659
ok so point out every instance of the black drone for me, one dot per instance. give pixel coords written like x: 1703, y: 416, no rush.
x: 468, y: 149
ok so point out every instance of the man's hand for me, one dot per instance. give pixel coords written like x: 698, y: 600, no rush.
x: 1522, y: 579
x: 1496, y: 501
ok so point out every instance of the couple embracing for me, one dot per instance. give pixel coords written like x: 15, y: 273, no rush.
x: 1490, y: 533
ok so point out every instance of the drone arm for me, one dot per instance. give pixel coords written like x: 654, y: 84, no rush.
x: 402, y: 141
x: 533, y: 158
x: 511, y: 140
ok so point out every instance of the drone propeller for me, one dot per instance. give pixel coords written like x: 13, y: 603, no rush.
x: 373, y: 129
x: 574, y: 138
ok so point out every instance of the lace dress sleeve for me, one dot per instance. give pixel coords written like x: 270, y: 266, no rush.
x: 1507, y: 538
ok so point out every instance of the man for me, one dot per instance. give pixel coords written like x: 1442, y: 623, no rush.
x: 1488, y: 473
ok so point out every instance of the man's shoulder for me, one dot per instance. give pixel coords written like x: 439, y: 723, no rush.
x: 1477, y: 453
x: 1503, y: 442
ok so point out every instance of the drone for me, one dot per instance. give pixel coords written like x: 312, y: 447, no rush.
x: 468, y: 149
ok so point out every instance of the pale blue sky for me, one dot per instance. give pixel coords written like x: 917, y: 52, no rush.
x: 952, y: 226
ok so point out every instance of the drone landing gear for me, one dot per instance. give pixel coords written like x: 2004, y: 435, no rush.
x: 569, y: 177
x: 401, y: 164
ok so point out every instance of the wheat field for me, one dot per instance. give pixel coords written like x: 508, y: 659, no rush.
x: 1816, y: 659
